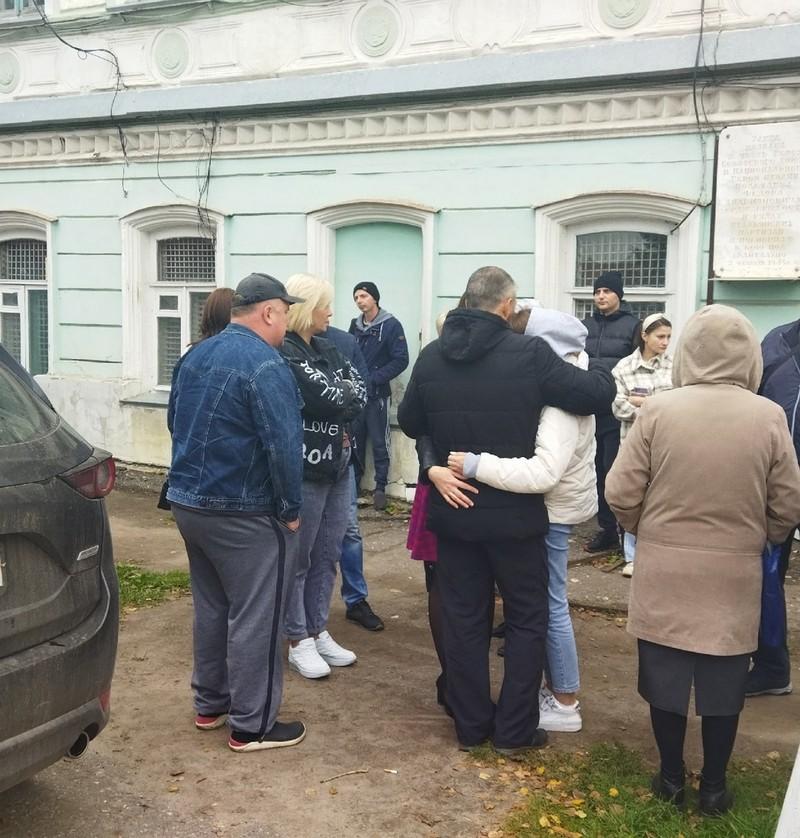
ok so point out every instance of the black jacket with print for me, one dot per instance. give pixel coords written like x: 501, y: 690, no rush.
x: 334, y: 394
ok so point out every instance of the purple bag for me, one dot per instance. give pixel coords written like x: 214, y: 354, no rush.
x: 421, y: 541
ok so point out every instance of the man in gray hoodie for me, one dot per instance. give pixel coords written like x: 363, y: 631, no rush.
x: 382, y: 341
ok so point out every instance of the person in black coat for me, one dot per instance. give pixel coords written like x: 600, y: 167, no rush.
x: 354, y: 585
x: 613, y: 335
x: 482, y: 387
x: 780, y: 349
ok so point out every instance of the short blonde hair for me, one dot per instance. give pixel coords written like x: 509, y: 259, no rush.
x: 317, y: 293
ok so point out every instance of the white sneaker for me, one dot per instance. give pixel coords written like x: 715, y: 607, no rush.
x: 628, y: 569
x: 332, y: 653
x: 562, y: 718
x: 305, y: 659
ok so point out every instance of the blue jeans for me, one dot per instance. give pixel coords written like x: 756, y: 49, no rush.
x: 354, y: 586
x: 629, y: 546
x: 562, y: 654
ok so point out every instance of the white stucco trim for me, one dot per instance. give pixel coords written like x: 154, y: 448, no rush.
x: 323, y: 223
x: 139, y: 232
x: 553, y: 223
x: 28, y: 224
x: 611, y: 113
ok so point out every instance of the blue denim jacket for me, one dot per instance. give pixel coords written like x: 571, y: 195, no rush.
x: 237, y: 432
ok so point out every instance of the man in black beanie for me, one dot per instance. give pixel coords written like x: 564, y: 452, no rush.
x: 613, y: 335
x: 382, y: 341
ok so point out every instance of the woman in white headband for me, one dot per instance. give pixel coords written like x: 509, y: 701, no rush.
x: 642, y: 374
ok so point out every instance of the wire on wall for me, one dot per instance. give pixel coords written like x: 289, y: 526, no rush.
x: 102, y: 54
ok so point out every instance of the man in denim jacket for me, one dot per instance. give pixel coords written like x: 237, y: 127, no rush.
x: 235, y: 490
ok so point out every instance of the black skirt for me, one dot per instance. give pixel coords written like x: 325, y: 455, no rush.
x: 666, y: 676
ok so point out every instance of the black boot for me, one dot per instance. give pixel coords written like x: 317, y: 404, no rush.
x: 714, y: 800
x: 668, y: 790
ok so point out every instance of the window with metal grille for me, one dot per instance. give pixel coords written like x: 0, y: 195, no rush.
x: 641, y: 258
x: 184, y: 265
x: 186, y: 260
x: 23, y: 302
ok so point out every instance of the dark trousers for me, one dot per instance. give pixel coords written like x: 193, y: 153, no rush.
x: 466, y: 573
x: 607, y: 450
x: 372, y: 426
x: 773, y: 661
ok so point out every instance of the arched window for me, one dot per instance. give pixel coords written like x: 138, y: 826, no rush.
x: 24, y: 294
x: 634, y: 233
x: 171, y: 261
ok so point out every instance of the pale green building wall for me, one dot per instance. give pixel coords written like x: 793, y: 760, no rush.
x: 483, y: 197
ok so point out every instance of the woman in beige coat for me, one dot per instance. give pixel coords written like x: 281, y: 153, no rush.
x: 706, y: 477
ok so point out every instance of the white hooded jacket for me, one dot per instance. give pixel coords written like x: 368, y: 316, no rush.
x: 562, y: 467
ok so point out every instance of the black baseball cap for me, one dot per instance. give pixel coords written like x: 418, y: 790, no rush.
x: 256, y: 288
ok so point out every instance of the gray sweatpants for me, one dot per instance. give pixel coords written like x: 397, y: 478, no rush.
x: 323, y: 521
x: 240, y: 568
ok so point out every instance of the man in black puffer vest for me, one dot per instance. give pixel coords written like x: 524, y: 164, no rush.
x: 613, y: 335
x: 481, y: 387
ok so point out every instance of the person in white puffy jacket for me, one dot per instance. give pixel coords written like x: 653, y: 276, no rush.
x: 562, y: 469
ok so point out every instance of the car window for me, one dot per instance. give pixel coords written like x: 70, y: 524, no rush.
x: 23, y: 416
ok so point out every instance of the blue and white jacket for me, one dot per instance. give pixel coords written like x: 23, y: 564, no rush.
x: 383, y: 344
x: 781, y: 380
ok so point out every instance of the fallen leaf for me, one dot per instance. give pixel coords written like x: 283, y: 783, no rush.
x: 488, y: 806
x: 553, y: 784
x: 773, y: 755
x: 524, y: 790
x: 580, y: 813
x: 175, y: 773
x: 484, y: 775
x: 544, y: 822
x: 612, y: 792
x: 333, y: 790
x: 540, y: 770
x: 390, y: 770
x: 172, y: 789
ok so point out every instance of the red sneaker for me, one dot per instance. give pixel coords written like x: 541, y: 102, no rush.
x: 210, y: 722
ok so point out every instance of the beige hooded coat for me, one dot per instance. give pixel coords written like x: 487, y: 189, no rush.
x: 707, y: 475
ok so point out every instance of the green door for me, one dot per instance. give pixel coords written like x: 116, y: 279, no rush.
x: 390, y: 255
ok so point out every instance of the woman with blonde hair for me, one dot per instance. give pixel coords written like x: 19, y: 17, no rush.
x: 334, y: 394
x: 706, y: 477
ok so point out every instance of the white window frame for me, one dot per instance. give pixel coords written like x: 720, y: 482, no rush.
x: 18, y: 12
x: 558, y: 224
x: 141, y: 232
x: 21, y: 224
x: 322, y: 225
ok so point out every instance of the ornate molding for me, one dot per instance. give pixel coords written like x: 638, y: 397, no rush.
x: 377, y: 29
x: 513, y: 121
x: 171, y: 53
x: 622, y: 14
x: 10, y: 73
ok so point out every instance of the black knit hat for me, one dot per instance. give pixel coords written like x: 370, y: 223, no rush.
x: 611, y: 280
x: 371, y: 288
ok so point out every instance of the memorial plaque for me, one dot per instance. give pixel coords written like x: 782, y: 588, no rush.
x: 757, y: 212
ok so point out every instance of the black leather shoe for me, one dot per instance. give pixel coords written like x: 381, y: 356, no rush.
x: 715, y: 803
x: 539, y: 740
x: 668, y: 791
x: 603, y: 540
x: 379, y: 500
x: 362, y: 614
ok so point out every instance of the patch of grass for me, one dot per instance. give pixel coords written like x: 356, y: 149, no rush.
x: 138, y: 587
x: 605, y: 793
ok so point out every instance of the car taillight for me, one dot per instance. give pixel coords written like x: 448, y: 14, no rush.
x: 105, y: 700
x: 94, y: 482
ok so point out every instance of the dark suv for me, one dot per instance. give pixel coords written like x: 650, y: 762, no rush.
x: 59, y: 603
